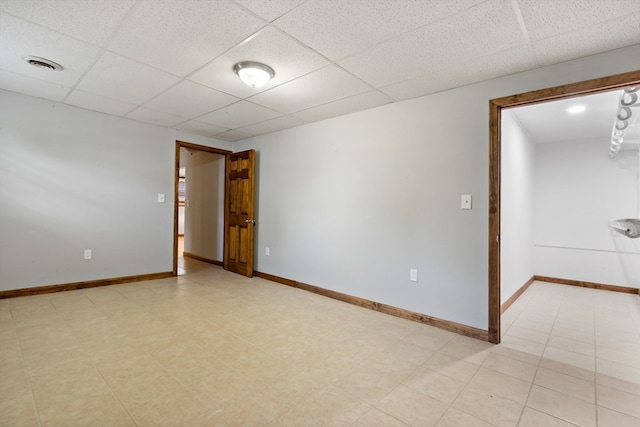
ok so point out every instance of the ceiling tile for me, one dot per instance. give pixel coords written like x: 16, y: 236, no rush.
x: 362, y: 101
x: 624, y: 31
x: 287, y: 57
x: 272, y: 9
x: 200, y: 128
x: 155, y: 117
x: 487, y: 67
x: 19, y: 38
x: 168, y: 35
x: 90, y: 21
x: 33, y: 87
x: 319, y: 87
x: 337, y: 28
x: 233, y: 135
x: 273, y: 125
x: 190, y: 100
x: 240, y: 114
x: 120, y: 78
x: 482, y: 30
x: 99, y: 103
x: 566, y: 16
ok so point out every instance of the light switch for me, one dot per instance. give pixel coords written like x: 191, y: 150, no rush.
x: 160, y: 198
x: 465, y: 202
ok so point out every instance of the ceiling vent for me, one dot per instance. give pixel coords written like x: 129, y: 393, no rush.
x: 42, y: 63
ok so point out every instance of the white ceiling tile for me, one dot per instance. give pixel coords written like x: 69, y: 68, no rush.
x: 90, y: 21
x: 624, y: 31
x: 487, y: 67
x: 155, y: 117
x: 272, y: 9
x: 337, y: 28
x: 273, y: 125
x: 240, y: 114
x: 288, y: 59
x: 191, y: 100
x: 120, y: 78
x: 482, y: 30
x: 233, y: 135
x: 362, y: 101
x: 19, y: 38
x: 319, y: 87
x: 180, y: 37
x: 33, y: 87
x: 549, y: 18
x: 99, y: 103
x: 200, y: 128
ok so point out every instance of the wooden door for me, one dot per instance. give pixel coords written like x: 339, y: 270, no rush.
x: 238, y: 213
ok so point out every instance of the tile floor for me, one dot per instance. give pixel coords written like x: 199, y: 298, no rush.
x: 211, y: 348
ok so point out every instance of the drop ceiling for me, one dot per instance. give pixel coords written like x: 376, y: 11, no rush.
x: 169, y: 62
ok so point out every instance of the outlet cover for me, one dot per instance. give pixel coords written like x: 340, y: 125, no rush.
x: 87, y: 254
x: 413, y: 275
x: 465, y: 201
x: 160, y: 197
x: 266, y: 251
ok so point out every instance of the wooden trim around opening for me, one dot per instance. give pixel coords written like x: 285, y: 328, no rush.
x: 516, y: 295
x: 13, y: 293
x: 447, y: 325
x: 591, y: 285
x: 586, y: 87
x: 201, y: 258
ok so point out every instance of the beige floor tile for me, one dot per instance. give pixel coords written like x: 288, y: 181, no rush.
x: 452, y: 367
x: 566, y: 384
x: 467, y: 349
x: 575, y: 346
x: 503, y: 385
x: 617, y: 370
x: 610, y: 418
x: 564, y: 368
x: 501, y: 361
x: 437, y: 386
x: 429, y: 338
x: 412, y: 407
x: 456, y: 418
x: 528, y: 334
x: 618, y: 400
x: 570, y: 358
x: 377, y: 418
x: 17, y: 407
x: 532, y: 418
x: 618, y: 384
x: 492, y: 409
x: 631, y: 357
x: 562, y: 406
x: 523, y: 346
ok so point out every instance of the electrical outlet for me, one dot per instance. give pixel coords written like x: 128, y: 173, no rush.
x: 87, y: 254
x: 465, y: 201
x: 413, y: 275
x: 266, y: 251
x: 160, y: 197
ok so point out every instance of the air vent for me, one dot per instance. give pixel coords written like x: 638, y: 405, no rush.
x: 42, y: 63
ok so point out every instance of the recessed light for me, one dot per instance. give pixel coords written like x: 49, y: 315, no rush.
x: 576, y: 109
x: 42, y: 63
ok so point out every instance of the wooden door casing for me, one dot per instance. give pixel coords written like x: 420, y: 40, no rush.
x: 239, y: 210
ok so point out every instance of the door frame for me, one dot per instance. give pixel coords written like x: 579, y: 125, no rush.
x: 587, y: 87
x: 176, y: 178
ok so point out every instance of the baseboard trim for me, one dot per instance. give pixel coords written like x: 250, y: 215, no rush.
x: 14, y: 293
x: 516, y: 295
x: 447, y: 325
x: 200, y: 258
x: 592, y: 285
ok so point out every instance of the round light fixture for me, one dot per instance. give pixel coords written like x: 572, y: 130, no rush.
x: 42, y: 63
x: 254, y: 74
x: 576, y: 109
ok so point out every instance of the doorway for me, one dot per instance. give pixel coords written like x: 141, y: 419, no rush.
x: 202, y: 203
x: 495, y: 174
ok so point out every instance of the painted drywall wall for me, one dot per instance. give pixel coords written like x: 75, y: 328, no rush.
x: 73, y: 179
x: 517, y: 206
x: 352, y: 203
x: 578, y: 190
x: 204, y: 205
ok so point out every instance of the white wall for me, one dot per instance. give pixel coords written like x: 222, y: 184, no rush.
x: 578, y: 190
x: 73, y: 179
x: 204, y: 210
x: 517, y: 206
x: 352, y: 203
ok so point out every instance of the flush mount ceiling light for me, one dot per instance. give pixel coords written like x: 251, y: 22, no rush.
x: 254, y: 74
x: 42, y: 63
x: 576, y: 109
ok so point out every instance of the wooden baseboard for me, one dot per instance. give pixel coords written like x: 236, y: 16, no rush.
x: 200, y: 258
x: 13, y: 293
x: 447, y: 325
x: 517, y: 294
x: 592, y: 285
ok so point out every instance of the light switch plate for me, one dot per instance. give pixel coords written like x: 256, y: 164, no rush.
x: 465, y: 201
x: 160, y: 198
